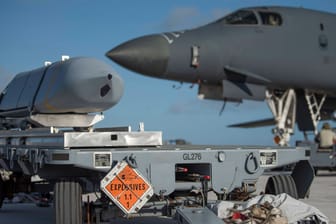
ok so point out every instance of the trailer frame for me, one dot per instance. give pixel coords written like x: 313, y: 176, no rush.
x: 181, y: 175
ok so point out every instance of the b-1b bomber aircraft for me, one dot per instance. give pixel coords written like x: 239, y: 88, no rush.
x: 284, y: 55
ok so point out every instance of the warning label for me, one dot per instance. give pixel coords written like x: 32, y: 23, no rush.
x: 268, y: 158
x: 127, y: 188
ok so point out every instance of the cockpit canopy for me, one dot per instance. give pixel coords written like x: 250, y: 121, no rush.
x: 249, y: 17
x: 270, y: 18
x: 240, y: 17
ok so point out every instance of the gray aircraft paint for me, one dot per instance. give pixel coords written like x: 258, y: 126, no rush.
x: 239, y: 61
x: 288, y: 55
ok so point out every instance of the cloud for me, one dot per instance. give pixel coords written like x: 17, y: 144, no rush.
x: 182, y: 107
x: 219, y: 13
x: 181, y: 17
x: 5, y: 77
x: 189, y: 17
x: 195, y: 106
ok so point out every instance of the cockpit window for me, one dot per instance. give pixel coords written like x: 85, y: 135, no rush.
x: 270, y: 18
x: 240, y: 17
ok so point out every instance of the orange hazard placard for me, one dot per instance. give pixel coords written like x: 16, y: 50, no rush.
x: 127, y: 188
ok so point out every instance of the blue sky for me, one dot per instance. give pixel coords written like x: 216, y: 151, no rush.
x: 34, y: 31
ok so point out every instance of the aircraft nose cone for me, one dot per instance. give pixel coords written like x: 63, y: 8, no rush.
x: 147, y: 55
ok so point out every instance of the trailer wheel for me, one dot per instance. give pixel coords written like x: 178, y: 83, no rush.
x: 315, y: 170
x: 68, y: 202
x: 281, y: 184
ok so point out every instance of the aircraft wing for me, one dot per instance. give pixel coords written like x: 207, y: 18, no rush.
x: 268, y: 122
x: 254, y: 124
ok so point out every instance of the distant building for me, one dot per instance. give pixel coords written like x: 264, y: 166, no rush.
x: 178, y: 141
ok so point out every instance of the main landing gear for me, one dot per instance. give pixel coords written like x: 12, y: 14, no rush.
x: 283, y: 105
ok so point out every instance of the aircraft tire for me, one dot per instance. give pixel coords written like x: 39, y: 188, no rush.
x: 68, y: 202
x: 281, y: 184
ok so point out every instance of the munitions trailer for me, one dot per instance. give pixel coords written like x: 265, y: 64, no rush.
x: 133, y: 173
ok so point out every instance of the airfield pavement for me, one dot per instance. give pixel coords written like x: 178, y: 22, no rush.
x: 322, y: 196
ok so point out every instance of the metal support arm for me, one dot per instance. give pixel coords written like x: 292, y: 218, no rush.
x: 283, y: 108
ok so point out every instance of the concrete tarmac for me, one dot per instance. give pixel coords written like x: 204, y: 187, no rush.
x: 322, y: 196
x: 322, y: 193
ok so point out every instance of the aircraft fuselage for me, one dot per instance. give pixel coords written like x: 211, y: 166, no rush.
x: 297, y: 52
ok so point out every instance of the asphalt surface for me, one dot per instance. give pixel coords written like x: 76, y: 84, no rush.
x: 322, y: 196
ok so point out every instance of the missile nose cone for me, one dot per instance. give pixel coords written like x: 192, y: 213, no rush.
x: 147, y: 55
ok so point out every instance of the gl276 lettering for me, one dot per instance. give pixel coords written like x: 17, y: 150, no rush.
x: 192, y: 156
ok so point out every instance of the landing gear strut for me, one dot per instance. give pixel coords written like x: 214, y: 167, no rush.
x: 314, y: 105
x: 283, y: 107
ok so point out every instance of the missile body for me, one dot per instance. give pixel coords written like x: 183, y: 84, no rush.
x: 75, y: 86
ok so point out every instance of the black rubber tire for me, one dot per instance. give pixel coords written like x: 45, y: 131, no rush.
x: 315, y: 171
x: 281, y: 184
x: 68, y: 202
x: 2, y: 191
